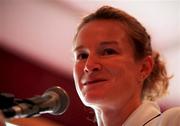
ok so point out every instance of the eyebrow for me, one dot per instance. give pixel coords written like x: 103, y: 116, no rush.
x: 103, y: 43
x: 109, y: 43
x: 77, y: 48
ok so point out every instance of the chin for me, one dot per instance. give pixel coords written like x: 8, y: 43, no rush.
x: 89, y: 104
x: 92, y: 100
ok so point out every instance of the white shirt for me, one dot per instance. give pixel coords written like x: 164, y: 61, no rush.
x: 148, y: 114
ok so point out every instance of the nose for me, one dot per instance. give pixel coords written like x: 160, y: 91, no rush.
x: 92, y: 65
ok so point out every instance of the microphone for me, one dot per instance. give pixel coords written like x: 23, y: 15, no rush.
x: 53, y: 101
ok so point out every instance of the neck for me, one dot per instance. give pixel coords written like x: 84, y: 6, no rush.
x: 116, y: 116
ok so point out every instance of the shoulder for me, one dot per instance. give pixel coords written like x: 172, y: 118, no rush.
x: 148, y: 114
x: 171, y: 117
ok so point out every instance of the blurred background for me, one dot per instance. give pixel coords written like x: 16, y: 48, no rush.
x: 35, y: 48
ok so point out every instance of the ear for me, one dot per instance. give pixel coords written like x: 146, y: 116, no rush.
x: 147, y: 66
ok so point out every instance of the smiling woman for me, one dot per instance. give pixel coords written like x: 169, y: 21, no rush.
x: 117, y: 73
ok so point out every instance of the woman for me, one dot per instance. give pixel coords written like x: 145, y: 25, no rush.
x: 117, y: 73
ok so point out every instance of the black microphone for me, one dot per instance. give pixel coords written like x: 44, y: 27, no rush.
x: 53, y: 101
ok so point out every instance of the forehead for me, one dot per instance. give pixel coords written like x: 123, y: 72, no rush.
x: 98, y: 31
x: 106, y: 27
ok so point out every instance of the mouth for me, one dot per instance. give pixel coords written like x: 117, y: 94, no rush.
x: 94, y: 82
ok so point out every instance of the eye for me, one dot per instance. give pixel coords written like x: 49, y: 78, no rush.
x: 82, y: 56
x: 109, y: 51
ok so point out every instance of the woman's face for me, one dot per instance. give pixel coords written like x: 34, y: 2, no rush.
x: 105, y: 70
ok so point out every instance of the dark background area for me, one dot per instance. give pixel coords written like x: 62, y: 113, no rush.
x: 24, y: 79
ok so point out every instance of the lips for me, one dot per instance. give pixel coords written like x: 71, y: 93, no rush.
x: 96, y: 81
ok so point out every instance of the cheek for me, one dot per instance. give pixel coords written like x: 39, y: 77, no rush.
x: 124, y: 72
x: 77, y: 73
x: 124, y: 82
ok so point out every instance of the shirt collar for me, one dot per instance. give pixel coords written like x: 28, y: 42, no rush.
x: 146, y: 111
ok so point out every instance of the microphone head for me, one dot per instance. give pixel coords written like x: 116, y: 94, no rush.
x: 62, y: 99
